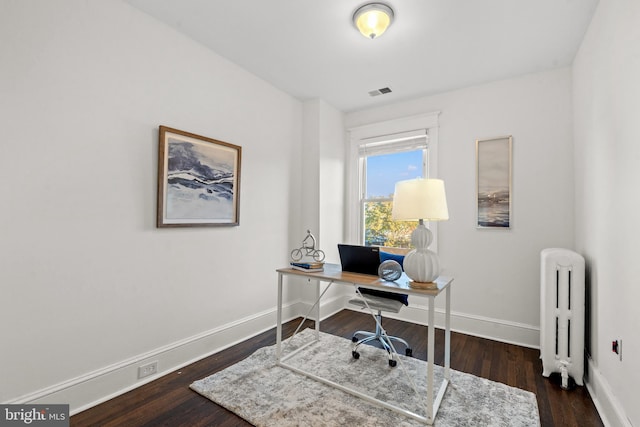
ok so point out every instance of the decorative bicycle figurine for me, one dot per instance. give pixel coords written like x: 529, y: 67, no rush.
x: 308, y: 248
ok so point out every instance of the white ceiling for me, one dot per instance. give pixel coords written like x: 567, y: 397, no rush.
x: 310, y: 48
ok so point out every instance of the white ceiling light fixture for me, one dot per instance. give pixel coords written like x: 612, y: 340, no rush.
x: 373, y: 19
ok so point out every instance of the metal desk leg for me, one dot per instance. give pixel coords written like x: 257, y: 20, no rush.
x: 430, y: 356
x: 447, y: 335
x: 279, y: 320
x: 318, y: 296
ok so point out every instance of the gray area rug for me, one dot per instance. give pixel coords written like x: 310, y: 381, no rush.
x: 268, y: 395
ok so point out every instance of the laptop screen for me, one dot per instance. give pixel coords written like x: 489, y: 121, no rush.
x: 359, y: 259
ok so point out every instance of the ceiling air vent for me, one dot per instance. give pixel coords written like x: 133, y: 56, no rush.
x: 382, y: 91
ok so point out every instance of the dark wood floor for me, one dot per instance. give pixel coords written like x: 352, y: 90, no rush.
x: 168, y: 401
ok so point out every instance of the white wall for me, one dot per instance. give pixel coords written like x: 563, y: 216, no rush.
x: 332, y: 179
x: 322, y: 176
x: 322, y: 196
x: 88, y: 284
x: 497, y: 280
x: 606, y: 110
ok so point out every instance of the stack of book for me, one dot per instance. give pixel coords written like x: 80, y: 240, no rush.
x: 309, y: 267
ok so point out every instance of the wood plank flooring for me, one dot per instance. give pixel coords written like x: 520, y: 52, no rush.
x: 168, y: 401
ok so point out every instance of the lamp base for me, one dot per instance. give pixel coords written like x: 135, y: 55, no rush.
x: 422, y: 285
x: 421, y: 264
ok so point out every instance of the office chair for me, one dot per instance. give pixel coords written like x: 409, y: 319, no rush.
x: 380, y: 301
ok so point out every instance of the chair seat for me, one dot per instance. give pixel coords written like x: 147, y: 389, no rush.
x: 378, y: 303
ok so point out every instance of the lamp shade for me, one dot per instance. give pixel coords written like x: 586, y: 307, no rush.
x: 373, y: 19
x: 420, y: 198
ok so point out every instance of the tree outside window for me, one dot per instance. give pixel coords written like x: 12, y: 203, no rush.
x: 380, y: 172
x: 381, y: 230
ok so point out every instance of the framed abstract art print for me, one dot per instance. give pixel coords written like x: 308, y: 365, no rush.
x: 198, y: 180
x: 493, y: 182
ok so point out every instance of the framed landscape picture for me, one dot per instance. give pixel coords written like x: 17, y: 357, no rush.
x: 493, y: 182
x: 198, y: 180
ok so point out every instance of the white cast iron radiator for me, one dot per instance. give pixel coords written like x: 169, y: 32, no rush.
x: 562, y: 314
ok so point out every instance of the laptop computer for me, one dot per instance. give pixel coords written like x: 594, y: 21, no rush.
x: 359, y: 259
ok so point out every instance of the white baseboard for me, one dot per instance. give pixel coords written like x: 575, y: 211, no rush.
x: 607, y: 405
x: 484, y: 327
x: 95, y: 387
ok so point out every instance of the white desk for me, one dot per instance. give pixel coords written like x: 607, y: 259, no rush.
x: 333, y: 274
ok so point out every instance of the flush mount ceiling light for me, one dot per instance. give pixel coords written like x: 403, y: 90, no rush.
x: 373, y: 19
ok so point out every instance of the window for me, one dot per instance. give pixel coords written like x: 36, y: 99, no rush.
x: 380, y: 154
x: 381, y: 164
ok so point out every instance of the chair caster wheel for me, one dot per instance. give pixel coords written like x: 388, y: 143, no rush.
x: 408, y: 352
x: 392, y: 363
x: 354, y: 339
x: 355, y: 354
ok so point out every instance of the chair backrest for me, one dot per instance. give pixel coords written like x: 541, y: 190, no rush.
x: 384, y: 256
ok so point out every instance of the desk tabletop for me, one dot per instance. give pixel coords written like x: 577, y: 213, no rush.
x: 333, y: 273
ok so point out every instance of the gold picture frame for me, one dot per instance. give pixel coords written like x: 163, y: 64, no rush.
x: 198, y: 180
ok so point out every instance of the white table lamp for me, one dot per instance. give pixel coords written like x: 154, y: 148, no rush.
x: 421, y: 200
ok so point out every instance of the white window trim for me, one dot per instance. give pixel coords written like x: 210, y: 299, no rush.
x: 402, y: 128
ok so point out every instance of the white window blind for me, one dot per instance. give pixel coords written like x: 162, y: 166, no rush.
x: 406, y: 141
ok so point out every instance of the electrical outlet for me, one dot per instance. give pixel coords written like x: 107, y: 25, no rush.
x: 616, y: 347
x: 620, y: 349
x: 148, y: 369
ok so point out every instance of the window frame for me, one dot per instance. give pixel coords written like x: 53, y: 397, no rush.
x: 397, y: 130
